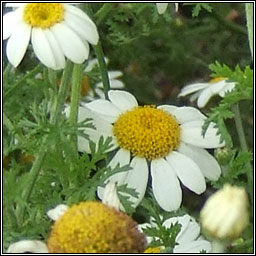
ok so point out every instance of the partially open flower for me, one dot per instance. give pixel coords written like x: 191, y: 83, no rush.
x: 92, y: 227
x: 225, y: 214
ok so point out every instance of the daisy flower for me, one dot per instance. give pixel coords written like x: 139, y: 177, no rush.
x: 204, y: 91
x: 88, y: 93
x: 161, y: 7
x: 188, y: 239
x: 56, y: 30
x: 165, y: 140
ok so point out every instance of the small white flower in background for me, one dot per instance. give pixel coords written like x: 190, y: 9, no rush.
x: 161, y: 7
x: 225, y: 214
x: 28, y: 246
x: 56, y: 31
x: 57, y: 212
x: 165, y: 140
x: 188, y: 240
x: 204, y: 91
x: 89, y: 94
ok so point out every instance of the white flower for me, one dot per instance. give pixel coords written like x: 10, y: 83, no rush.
x: 56, y: 30
x: 225, y: 214
x: 188, y: 240
x: 204, y: 91
x: 57, y: 212
x: 88, y: 94
x: 28, y: 246
x: 166, y: 140
x: 161, y: 7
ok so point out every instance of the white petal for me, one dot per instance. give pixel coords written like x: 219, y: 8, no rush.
x: 47, y: 49
x: 227, y: 88
x: 123, y: 158
x: 57, y: 212
x: 193, y: 247
x: 206, y: 162
x: 105, y: 109
x: 187, y: 114
x: 122, y: 100
x: 191, y: 88
x: 116, y: 84
x: 165, y: 185
x: 71, y: 44
x: 190, y: 234
x: 191, y: 133
x: 114, y: 74
x: 10, y: 21
x: 168, y: 108
x: 15, y: 4
x: 187, y: 171
x: 18, y: 43
x: 82, y: 27
x: 24, y: 246
x: 137, y: 179
x: 161, y: 7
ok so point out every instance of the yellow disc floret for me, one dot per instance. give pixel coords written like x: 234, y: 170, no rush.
x: 147, y: 132
x: 43, y: 15
x: 217, y: 79
x: 92, y: 227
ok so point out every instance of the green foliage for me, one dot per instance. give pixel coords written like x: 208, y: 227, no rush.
x: 198, y: 7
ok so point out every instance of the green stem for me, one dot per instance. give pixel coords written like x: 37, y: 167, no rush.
x: 103, y: 68
x: 218, y: 247
x: 244, y: 147
x: 101, y: 14
x: 100, y: 56
x: 23, y: 79
x: 52, y: 78
x: 60, y: 99
x: 249, y: 19
x: 34, y: 172
x: 75, y: 97
x: 9, y: 125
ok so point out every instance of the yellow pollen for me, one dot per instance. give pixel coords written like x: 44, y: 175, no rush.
x: 153, y: 250
x: 217, y: 79
x: 147, y: 132
x: 92, y: 227
x: 43, y: 15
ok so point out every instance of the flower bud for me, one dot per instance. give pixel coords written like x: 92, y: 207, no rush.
x: 225, y: 214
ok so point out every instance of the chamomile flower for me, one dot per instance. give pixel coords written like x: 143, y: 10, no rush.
x: 165, y: 140
x: 188, y: 239
x: 204, y: 91
x: 161, y: 7
x: 56, y: 31
x: 88, y: 93
x: 93, y: 227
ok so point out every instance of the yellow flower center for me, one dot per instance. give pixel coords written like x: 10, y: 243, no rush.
x: 43, y: 15
x: 147, y: 132
x: 217, y: 79
x: 153, y: 250
x: 92, y: 227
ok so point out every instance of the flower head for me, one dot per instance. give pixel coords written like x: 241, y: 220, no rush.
x: 166, y: 140
x: 161, y: 7
x: 92, y: 227
x: 225, y: 214
x: 188, y: 239
x: 204, y: 91
x: 50, y: 26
